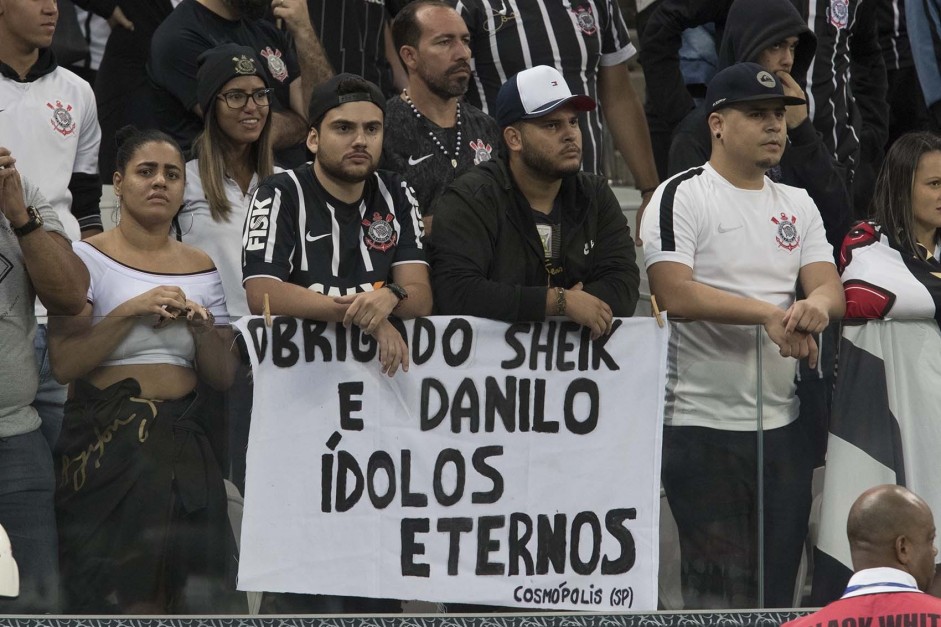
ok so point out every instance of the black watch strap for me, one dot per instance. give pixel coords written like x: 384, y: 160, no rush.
x: 398, y: 290
x: 35, y: 221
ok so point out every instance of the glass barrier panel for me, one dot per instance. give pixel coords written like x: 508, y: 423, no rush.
x: 123, y: 490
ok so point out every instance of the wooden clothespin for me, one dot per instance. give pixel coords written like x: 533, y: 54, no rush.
x: 653, y: 306
x: 267, y: 311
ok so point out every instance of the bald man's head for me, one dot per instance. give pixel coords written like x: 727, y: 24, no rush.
x: 889, y: 525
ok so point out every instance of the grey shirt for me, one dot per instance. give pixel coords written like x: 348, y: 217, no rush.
x: 19, y: 378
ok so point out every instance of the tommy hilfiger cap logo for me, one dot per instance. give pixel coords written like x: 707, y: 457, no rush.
x: 766, y: 79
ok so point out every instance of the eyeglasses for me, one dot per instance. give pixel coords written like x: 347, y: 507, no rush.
x: 238, y: 99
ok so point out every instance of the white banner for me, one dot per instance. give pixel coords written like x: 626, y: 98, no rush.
x: 512, y: 465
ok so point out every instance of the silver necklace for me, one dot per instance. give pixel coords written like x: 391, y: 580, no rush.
x: 431, y: 134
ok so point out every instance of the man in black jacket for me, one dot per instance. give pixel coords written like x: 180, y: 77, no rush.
x: 532, y: 236
x: 846, y: 83
x: 773, y: 34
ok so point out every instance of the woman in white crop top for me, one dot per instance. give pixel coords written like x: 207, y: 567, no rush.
x: 140, y: 499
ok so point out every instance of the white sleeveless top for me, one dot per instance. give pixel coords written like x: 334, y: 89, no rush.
x: 113, y: 283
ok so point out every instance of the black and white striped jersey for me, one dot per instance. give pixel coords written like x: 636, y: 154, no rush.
x: 839, y: 105
x: 298, y: 233
x: 893, y: 35
x: 353, y: 36
x: 574, y: 36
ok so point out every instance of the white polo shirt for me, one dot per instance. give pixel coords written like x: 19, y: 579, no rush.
x: 751, y: 243
x: 221, y: 240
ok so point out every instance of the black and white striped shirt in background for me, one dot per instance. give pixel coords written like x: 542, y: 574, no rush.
x: 574, y: 36
x: 893, y: 35
x: 352, y: 33
x: 845, y: 110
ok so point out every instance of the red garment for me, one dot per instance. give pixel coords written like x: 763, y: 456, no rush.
x: 886, y: 609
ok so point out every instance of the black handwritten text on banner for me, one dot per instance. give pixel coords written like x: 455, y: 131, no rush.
x: 512, y: 465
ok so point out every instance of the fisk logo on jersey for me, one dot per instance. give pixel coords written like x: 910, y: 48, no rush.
x: 257, y: 223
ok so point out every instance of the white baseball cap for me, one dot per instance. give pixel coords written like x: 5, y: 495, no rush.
x: 534, y: 93
x: 9, y: 573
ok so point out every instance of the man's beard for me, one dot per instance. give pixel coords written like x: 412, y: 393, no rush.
x: 539, y: 163
x: 767, y: 164
x: 337, y: 172
x: 250, y: 9
x: 446, y: 87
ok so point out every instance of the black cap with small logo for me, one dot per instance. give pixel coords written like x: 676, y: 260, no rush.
x: 745, y: 82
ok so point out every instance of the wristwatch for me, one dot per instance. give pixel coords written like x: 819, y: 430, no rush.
x: 35, y: 221
x: 398, y: 290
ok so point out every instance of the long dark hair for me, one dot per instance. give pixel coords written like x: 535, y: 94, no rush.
x: 892, y: 199
x: 212, y: 146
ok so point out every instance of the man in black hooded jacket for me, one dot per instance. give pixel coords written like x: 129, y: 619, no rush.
x: 773, y: 34
x: 846, y: 83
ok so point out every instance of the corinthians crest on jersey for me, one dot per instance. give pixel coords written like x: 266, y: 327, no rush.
x: 786, y: 234
x: 276, y: 65
x: 482, y: 151
x: 380, y: 234
x: 62, y: 120
x: 839, y: 13
x: 585, y: 19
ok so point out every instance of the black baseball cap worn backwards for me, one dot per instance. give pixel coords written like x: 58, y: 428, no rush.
x: 325, y: 96
x: 745, y: 82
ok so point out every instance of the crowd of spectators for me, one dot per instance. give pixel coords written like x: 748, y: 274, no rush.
x: 356, y: 161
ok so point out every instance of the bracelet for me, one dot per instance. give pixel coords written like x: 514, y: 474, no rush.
x: 560, y: 301
x: 647, y: 190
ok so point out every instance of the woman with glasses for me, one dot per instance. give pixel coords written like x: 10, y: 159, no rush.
x: 140, y: 500
x: 233, y: 155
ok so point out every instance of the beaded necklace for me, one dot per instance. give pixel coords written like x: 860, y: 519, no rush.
x: 431, y: 134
